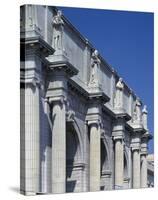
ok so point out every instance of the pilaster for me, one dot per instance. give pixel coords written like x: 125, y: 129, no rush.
x: 95, y: 135
x: 58, y: 145
x: 136, y: 167
x: 118, y: 137
x: 59, y: 72
x: 135, y: 147
x: 143, y: 156
x: 94, y: 119
x: 33, y: 52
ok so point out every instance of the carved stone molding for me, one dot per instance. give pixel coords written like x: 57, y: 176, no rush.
x: 36, y: 45
x: 61, y: 100
x: 70, y: 116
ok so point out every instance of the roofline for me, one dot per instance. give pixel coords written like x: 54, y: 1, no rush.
x: 89, y: 44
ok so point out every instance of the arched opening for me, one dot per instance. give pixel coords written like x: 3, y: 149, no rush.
x: 74, y: 164
x: 104, y: 159
x: 104, y: 166
x: 125, y: 167
x: 126, y: 175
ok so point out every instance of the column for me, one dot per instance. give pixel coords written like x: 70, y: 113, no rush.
x: 30, y: 139
x: 130, y: 168
x: 119, y: 163
x: 143, y: 171
x: 58, y: 147
x: 118, y: 135
x: 136, y: 168
x: 94, y: 157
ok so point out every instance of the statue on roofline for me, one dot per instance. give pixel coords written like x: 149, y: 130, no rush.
x: 57, y: 31
x: 119, y: 93
x: 95, y: 64
x: 137, y: 115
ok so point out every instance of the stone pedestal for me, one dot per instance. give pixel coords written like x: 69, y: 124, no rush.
x: 58, y: 147
x: 94, y: 156
x: 119, y: 163
x: 136, y: 168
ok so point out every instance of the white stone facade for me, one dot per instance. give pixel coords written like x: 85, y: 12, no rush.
x: 82, y: 127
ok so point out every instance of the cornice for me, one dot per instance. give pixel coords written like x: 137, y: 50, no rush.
x: 38, y: 43
x: 78, y: 89
x: 65, y: 66
x: 135, y: 128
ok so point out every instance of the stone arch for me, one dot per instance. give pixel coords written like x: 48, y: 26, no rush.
x: 105, y: 171
x: 79, y: 134
x: 105, y: 156
x: 74, y: 157
x: 126, y: 164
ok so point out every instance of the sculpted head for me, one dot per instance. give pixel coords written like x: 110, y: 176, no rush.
x: 120, y: 79
x: 145, y: 109
x: 59, y: 13
x: 96, y: 53
x: 138, y: 103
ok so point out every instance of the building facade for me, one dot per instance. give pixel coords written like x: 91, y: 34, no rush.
x: 82, y: 127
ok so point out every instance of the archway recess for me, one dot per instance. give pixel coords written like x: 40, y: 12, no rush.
x: 74, y: 158
x: 105, y: 173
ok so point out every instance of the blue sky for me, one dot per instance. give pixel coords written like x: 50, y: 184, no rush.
x: 125, y: 40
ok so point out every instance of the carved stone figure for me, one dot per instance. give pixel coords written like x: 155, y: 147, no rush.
x: 137, y: 111
x: 95, y: 63
x: 57, y: 32
x: 145, y: 117
x: 145, y: 109
x: 119, y: 93
x: 70, y: 115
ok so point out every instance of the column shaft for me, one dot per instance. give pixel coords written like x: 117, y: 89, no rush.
x: 143, y: 171
x: 119, y: 161
x: 58, y: 148
x: 136, y: 168
x: 94, y: 158
x: 30, y: 140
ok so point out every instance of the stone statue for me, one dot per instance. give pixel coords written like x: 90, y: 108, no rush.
x: 57, y: 32
x: 95, y: 63
x: 119, y: 93
x: 145, y: 117
x: 145, y: 109
x: 137, y: 111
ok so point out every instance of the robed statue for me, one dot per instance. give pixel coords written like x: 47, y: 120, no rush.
x: 95, y: 64
x: 119, y: 93
x: 137, y: 115
x: 57, y: 31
